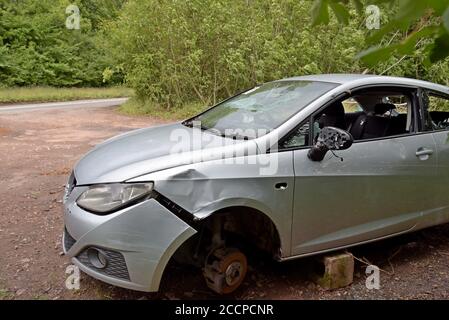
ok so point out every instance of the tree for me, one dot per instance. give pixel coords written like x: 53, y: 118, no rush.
x: 36, y: 48
x: 176, y: 52
x: 422, y: 22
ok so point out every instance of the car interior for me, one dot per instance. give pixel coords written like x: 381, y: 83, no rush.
x: 438, y: 114
x: 370, y: 115
x: 440, y: 120
x: 366, y: 115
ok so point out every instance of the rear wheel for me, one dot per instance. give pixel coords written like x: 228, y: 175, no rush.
x: 225, y: 269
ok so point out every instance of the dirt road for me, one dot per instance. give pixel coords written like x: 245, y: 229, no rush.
x: 37, y: 152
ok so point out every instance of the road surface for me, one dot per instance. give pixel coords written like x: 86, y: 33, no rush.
x: 94, y: 103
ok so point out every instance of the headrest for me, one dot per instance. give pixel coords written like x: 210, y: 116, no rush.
x: 381, y: 108
x: 336, y: 109
x: 333, y: 116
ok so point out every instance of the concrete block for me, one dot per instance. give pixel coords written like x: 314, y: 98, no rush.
x: 338, y: 271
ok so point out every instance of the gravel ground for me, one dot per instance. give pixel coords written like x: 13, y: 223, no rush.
x: 38, y: 150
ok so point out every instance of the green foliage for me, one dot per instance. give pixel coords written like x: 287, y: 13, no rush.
x: 192, y: 52
x: 422, y: 23
x: 36, y: 48
x: 136, y: 106
x: 176, y: 52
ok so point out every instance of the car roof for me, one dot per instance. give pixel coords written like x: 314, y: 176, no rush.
x: 354, y: 79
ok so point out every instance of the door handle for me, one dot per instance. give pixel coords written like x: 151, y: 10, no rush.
x: 281, y: 186
x: 424, y: 153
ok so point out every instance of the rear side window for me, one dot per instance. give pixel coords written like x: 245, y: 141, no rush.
x: 437, y: 112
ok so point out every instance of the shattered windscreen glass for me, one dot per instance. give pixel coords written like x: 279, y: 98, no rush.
x: 263, y: 108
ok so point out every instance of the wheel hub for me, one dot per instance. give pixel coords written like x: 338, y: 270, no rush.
x: 225, y: 270
x: 233, y: 273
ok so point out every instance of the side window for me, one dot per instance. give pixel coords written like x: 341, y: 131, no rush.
x: 367, y: 114
x: 298, y: 138
x: 370, y: 114
x: 437, y: 112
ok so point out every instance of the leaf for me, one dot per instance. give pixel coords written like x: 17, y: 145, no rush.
x: 340, y: 11
x: 408, y: 46
x: 439, y: 6
x: 440, y: 50
x: 410, y: 10
x: 376, y: 54
x: 389, y: 27
x: 320, y: 12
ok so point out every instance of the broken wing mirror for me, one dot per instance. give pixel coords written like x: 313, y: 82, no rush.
x: 330, y: 139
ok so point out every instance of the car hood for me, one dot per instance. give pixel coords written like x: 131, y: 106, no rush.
x: 152, y: 149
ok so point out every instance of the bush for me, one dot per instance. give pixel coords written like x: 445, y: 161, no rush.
x: 37, y: 49
x: 176, y: 52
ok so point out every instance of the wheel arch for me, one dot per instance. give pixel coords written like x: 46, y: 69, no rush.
x: 252, y: 223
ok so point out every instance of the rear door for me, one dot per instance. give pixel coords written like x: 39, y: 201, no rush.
x: 379, y: 189
x: 435, y: 107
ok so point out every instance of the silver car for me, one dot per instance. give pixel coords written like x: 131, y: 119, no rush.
x: 294, y: 167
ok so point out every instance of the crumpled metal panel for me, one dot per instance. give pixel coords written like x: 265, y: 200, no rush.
x: 204, y: 188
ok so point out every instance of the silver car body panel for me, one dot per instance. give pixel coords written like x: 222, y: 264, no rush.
x: 146, y: 234
x: 204, y: 188
x: 440, y: 185
x: 196, y: 179
x: 152, y: 149
x: 379, y: 179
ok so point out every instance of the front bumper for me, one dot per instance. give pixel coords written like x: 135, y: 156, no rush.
x: 138, y: 241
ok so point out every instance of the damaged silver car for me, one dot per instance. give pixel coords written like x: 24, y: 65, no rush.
x: 294, y: 167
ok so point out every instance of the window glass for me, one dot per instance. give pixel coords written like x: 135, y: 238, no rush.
x: 437, y: 103
x: 437, y: 113
x: 369, y: 115
x: 351, y: 106
x: 263, y: 108
x: 299, y: 138
x: 400, y: 102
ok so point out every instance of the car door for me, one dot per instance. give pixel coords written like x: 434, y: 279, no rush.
x: 435, y: 107
x: 381, y: 188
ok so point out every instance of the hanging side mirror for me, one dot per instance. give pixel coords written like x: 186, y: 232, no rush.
x: 330, y: 139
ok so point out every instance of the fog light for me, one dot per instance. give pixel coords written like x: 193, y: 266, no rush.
x: 97, y: 258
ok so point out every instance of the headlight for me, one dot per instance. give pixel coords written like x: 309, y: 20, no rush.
x: 111, y: 197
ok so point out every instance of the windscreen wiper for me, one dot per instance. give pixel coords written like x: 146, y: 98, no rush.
x: 236, y: 136
x: 189, y: 123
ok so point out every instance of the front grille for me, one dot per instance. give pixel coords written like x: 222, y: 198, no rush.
x: 68, y: 240
x: 116, y: 266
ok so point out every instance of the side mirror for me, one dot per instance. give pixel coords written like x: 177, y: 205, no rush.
x: 330, y: 138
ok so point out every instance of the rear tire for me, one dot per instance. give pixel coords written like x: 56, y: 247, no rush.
x: 225, y: 269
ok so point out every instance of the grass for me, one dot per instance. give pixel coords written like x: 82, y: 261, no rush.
x: 137, y: 107
x: 49, y: 94
x: 5, y: 294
